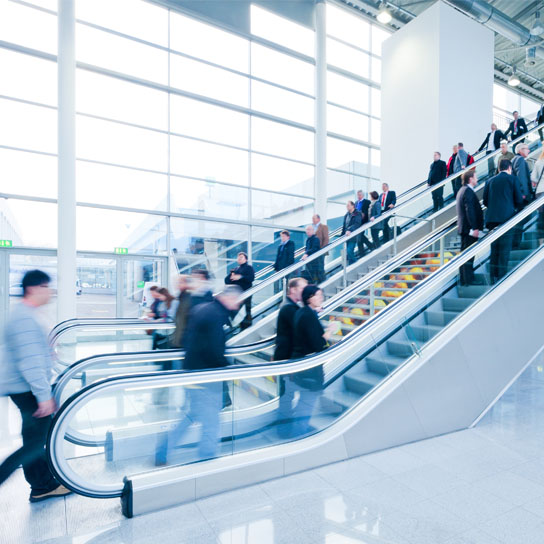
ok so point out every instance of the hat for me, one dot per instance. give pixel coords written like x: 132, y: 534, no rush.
x: 308, y: 292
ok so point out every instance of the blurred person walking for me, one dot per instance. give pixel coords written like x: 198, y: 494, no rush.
x: 205, y: 350
x: 352, y: 221
x: 25, y: 375
x: 243, y: 276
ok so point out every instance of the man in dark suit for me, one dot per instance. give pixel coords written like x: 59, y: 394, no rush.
x: 322, y: 232
x: 352, y: 221
x: 243, y: 276
x: 312, y: 246
x: 517, y: 128
x: 362, y: 206
x: 492, y: 143
x: 470, y: 221
x: 502, y: 196
x: 285, y: 337
x: 539, y: 120
x: 437, y: 173
x: 388, y: 200
x: 520, y: 169
x: 285, y: 256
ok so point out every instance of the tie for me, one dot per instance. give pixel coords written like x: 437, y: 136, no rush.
x: 383, y: 199
x: 515, y: 126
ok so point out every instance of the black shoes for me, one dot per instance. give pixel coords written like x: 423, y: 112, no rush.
x: 59, y: 491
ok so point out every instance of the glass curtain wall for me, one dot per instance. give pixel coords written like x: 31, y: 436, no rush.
x: 353, y: 106
x: 506, y: 100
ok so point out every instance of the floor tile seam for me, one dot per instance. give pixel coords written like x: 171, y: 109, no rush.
x: 523, y: 507
x: 473, y: 524
x: 513, y: 474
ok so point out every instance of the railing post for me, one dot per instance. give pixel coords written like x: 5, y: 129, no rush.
x: 395, y: 234
x: 371, y: 300
x: 345, y: 265
x: 442, y: 246
x: 284, y: 288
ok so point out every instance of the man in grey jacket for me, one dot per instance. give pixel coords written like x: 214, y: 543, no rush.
x: 25, y: 375
x: 461, y: 162
x: 520, y: 169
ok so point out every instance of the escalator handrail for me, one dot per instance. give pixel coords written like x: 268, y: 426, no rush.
x: 157, y: 356
x: 239, y: 372
x: 370, y: 224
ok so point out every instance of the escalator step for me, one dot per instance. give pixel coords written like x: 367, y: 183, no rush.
x: 472, y: 291
x: 362, y: 383
x: 438, y: 318
x: 385, y: 366
x: 519, y: 254
x: 336, y: 402
x: 399, y: 348
x: 456, y: 304
x: 423, y: 333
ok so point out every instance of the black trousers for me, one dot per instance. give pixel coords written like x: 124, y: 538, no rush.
x: 466, y: 272
x: 500, y: 254
x: 386, y: 231
x: 32, y: 453
x: 376, y: 237
x: 518, y: 229
x: 247, y: 321
x: 456, y: 185
x: 438, y: 199
x: 363, y: 241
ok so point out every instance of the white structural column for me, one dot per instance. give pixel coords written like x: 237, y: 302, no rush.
x: 320, y: 180
x: 437, y: 89
x: 66, y: 299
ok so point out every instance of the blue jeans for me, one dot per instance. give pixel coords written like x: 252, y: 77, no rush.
x: 350, y: 247
x: 205, y: 404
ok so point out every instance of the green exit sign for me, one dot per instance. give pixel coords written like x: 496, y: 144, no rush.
x: 6, y: 243
x: 121, y: 250
x: 140, y: 284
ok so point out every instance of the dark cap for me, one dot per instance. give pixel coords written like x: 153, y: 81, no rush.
x: 308, y: 292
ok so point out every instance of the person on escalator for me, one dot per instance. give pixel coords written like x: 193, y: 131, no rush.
x: 25, y: 376
x: 520, y: 169
x: 200, y: 287
x: 285, y: 256
x: 309, y: 337
x: 504, y: 154
x: 538, y: 188
x: 388, y: 200
x: 470, y: 221
x: 375, y: 211
x: 285, y: 333
x: 517, y: 127
x: 243, y: 276
x: 539, y: 120
x: 502, y: 196
x: 205, y: 350
x: 312, y: 246
x: 362, y: 205
x: 437, y: 173
x: 164, y: 311
x: 352, y: 221
x: 182, y: 312
x: 322, y: 232
x: 462, y: 160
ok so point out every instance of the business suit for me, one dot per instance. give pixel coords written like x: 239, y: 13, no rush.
x: 386, y: 200
x: 517, y: 128
x: 285, y: 334
x: 498, y: 135
x: 437, y: 173
x: 362, y: 206
x: 285, y: 257
x: 539, y: 120
x: 469, y: 217
x: 245, y: 282
x: 375, y: 212
x: 520, y: 169
x: 313, y: 267
x: 502, y: 196
x: 322, y: 233
x: 352, y: 221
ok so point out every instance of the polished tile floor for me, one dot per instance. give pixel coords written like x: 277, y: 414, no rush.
x: 479, y: 486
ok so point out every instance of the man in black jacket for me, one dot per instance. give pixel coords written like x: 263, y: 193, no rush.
x: 200, y: 287
x: 352, y: 221
x: 437, y: 173
x: 502, y: 196
x: 243, y: 276
x: 362, y: 205
x: 285, y: 256
x: 492, y: 143
x: 520, y: 169
x: 205, y: 347
x: 285, y: 332
x: 388, y: 200
x: 470, y: 221
x: 517, y: 127
x: 539, y: 120
x: 312, y: 246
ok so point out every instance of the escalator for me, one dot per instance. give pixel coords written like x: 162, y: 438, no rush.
x: 413, y: 215
x: 432, y: 361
